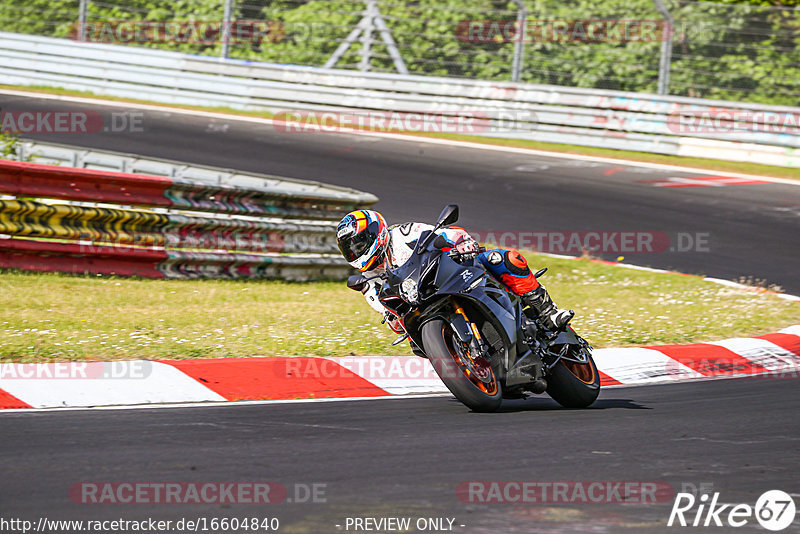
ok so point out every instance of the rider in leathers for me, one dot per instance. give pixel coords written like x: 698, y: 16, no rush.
x: 370, y: 246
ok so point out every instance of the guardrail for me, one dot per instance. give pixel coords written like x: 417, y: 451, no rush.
x: 589, y: 117
x: 271, y: 185
x: 84, y: 220
x: 86, y: 185
x: 80, y: 258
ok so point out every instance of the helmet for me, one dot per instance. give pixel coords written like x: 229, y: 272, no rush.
x: 363, y: 238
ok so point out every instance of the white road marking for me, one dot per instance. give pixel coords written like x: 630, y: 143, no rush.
x: 218, y: 404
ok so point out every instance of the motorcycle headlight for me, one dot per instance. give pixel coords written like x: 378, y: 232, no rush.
x: 409, y: 291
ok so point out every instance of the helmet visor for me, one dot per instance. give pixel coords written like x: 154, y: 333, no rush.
x: 353, y: 247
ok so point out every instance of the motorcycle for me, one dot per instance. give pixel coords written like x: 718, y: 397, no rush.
x: 474, y: 331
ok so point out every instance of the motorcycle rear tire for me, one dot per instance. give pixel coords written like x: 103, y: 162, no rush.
x: 573, y: 385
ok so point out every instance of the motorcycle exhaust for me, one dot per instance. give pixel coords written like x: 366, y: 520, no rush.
x: 539, y: 386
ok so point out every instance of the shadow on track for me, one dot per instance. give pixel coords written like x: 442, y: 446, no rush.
x: 544, y: 404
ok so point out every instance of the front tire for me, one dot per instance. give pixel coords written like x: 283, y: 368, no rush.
x: 479, y: 391
x: 574, y: 385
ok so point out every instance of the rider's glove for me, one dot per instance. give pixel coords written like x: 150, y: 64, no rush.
x: 395, y: 324
x: 467, y: 246
x: 357, y: 283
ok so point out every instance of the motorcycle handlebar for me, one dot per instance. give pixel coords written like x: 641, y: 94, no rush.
x: 454, y: 254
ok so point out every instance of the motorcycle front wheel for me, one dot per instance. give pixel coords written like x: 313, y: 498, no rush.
x: 470, y: 379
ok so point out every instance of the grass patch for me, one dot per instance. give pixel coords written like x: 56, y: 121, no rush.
x: 701, y: 163
x: 53, y: 317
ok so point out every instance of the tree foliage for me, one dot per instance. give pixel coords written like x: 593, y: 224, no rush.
x: 729, y: 49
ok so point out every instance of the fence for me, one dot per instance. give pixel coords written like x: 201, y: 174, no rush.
x: 98, y: 221
x: 734, y: 50
x: 608, y: 119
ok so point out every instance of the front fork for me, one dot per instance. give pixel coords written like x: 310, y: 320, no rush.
x: 475, y: 341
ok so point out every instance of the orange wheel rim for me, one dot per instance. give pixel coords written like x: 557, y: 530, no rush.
x: 582, y: 371
x: 490, y: 388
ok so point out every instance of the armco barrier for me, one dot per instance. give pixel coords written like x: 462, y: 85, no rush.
x: 30, y: 218
x: 77, y: 258
x: 37, y: 180
x: 104, y: 160
x: 590, y: 117
x: 196, y: 231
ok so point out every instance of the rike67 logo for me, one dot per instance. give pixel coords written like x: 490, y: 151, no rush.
x: 774, y: 510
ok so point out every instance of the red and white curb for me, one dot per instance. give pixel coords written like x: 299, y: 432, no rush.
x: 81, y: 384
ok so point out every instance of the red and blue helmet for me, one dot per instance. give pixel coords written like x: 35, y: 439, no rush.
x: 363, y: 237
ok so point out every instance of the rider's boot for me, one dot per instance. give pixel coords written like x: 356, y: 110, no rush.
x: 541, y: 305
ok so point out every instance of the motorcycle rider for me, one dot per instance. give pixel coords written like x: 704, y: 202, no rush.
x: 370, y: 246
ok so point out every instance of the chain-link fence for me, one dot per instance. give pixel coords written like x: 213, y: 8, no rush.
x: 733, y: 51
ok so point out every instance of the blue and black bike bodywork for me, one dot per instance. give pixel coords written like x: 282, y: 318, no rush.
x: 475, y: 333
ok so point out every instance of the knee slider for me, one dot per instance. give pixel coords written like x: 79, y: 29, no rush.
x: 516, y: 263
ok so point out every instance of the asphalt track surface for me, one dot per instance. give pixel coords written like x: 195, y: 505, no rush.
x: 406, y: 457
x: 743, y: 230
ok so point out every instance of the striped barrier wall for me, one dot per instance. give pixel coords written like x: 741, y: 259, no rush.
x: 77, y: 258
x: 106, y: 160
x: 88, y: 185
x: 30, y: 218
x: 92, y: 221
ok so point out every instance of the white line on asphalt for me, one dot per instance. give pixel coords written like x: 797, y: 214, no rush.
x: 218, y: 404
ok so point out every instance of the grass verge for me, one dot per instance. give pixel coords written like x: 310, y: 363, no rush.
x: 701, y: 163
x: 53, y: 317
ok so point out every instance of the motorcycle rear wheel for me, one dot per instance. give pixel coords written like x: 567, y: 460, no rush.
x: 574, y: 385
x: 465, y: 377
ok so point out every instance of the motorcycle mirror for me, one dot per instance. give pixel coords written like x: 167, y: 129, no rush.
x: 356, y: 282
x: 448, y: 216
